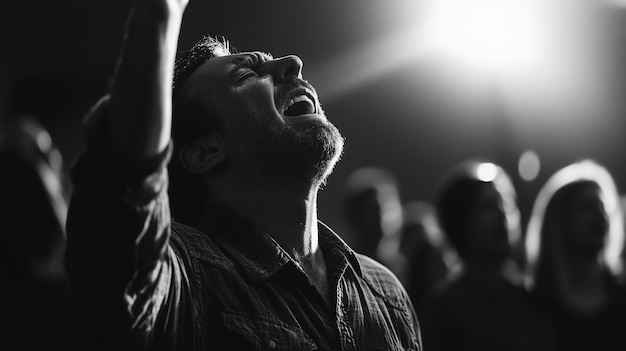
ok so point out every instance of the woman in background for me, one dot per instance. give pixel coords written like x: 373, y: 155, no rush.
x: 573, y: 244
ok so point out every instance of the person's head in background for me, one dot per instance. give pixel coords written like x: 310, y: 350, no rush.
x: 33, y: 201
x: 421, y: 250
x: 419, y: 228
x: 576, y: 222
x: 374, y: 210
x: 477, y: 211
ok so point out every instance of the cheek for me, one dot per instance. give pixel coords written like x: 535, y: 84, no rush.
x: 255, y: 97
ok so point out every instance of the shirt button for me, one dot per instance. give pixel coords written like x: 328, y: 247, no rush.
x: 272, y: 344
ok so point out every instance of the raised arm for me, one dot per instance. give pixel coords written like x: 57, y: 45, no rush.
x: 140, y: 108
x: 128, y: 275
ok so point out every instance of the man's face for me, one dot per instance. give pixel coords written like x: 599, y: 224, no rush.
x: 274, y: 124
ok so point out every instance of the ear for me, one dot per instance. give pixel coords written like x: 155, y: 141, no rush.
x: 202, y: 155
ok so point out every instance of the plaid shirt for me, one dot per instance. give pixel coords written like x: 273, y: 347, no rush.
x: 144, y: 281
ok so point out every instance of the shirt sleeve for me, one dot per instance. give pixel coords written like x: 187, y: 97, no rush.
x: 130, y: 281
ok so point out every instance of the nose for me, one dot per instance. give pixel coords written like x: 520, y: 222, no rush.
x: 285, y: 67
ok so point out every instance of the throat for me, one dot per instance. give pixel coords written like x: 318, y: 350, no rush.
x: 314, y: 267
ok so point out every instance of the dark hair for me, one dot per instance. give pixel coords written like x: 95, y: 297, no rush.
x: 545, y: 224
x: 192, y: 118
x: 204, y: 49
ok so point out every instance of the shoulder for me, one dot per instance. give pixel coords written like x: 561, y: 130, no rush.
x: 399, y: 309
x: 376, y: 271
x: 384, y: 283
x: 198, y: 246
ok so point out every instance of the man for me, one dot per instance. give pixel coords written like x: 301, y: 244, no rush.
x: 253, y: 146
x: 482, y: 305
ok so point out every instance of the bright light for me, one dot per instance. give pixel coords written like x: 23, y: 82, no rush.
x: 487, y: 172
x: 500, y: 36
x: 44, y: 141
x: 543, y: 57
x: 529, y: 165
x: 621, y: 3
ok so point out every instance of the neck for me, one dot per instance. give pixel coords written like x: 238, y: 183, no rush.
x: 288, y: 214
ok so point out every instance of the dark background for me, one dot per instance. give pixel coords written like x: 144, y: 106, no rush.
x: 416, y: 115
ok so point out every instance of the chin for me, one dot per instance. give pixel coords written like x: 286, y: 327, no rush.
x: 318, y: 150
x: 304, y: 151
x: 326, y: 170
x: 316, y: 169
x: 332, y: 152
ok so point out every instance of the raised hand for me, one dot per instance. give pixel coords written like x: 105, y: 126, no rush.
x: 140, y: 108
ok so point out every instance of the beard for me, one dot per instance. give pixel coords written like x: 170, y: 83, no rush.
x: 274, y: 152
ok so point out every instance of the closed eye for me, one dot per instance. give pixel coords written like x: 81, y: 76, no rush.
x: 242, y: 74
x: 249, y: 66
x: 246, y: 69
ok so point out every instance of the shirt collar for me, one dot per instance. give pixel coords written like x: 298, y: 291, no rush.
x: 336, y: 251
x: 259, y: 255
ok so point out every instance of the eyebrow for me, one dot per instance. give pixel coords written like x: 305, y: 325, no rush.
x: 242, y: 59
x: 246, y: 56
x: 266, y: 56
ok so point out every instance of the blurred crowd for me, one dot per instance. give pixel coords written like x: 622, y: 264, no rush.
x: 478, y: 277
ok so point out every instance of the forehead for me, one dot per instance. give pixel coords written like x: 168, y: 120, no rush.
x: 258, y: 54
x: 221, y: 66
x: 239, y: 58
x: 215, y: 74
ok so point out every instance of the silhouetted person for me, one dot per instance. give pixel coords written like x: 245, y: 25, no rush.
x: 374, y: 213
x: 242, y: 262
x: 573, y: 245
x: 484, y: 305
x: 421, y: 251
x: 36, y: 310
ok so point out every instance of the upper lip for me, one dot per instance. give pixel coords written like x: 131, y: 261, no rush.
x: 300, y: 91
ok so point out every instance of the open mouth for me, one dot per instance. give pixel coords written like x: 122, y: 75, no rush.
x: 300, y: 104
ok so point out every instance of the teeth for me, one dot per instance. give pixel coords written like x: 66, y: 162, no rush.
x: 299, y: 98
